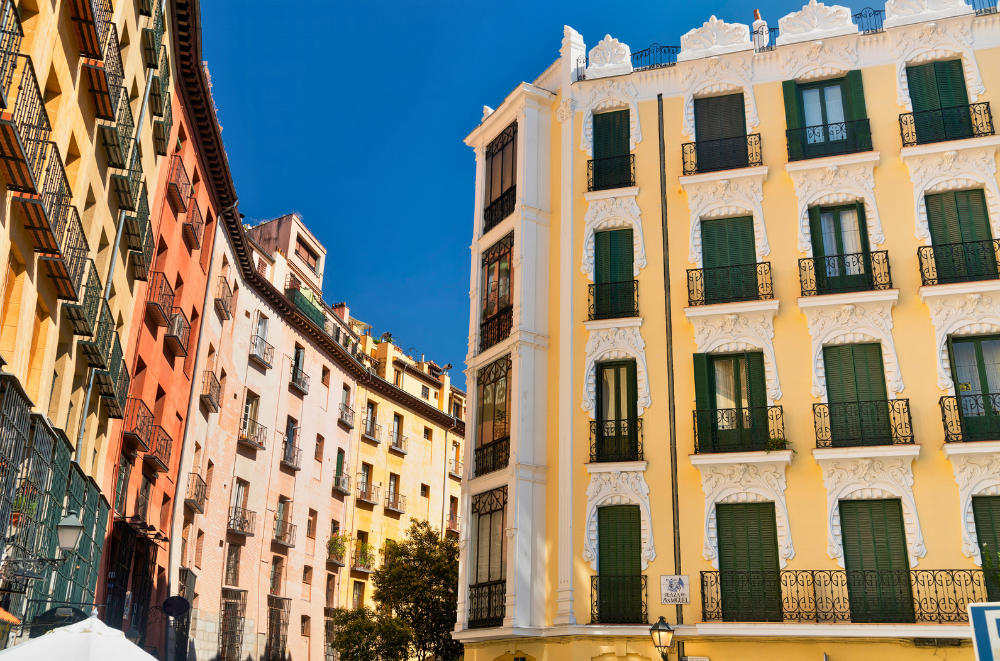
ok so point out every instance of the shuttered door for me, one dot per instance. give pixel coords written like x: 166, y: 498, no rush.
x: 986, y: 510
x: 720, y: 127
x: 855, y: 383
x: 927, y: 118
x: 748, y: 562
x: 617, y: 438
x: 729, y: 259
x: 793, y: 120
x: 614, y: 264
x: 704, y: 419
x: 878, y: 572
x: 940, y: 101
x: 611, y: 149
x: 757, y: 432
x: 960, y: 231
x: 618, y: 564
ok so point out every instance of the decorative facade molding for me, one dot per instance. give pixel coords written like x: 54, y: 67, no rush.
x: 815, y: 21
x: 715, y: 37
x: 487, y: 111
x: 719, y: 198
x: 739, y: 327
x: 830, y: 183
x: 934, y: 41
x: 565, y: 110
x: 741, y: 478
x: 904, y: 12
x: 848, y: 319
x: 605, y: 95
x: 715, y: 75
x: 819, y: 59
x: 977, y: 473
x: 620, y: 341
x: 618, y: 488
x: 963, y: 309
x: 613, y: 213
x: 865, y: 478
x: 609, y: 57
x: 933, y: 171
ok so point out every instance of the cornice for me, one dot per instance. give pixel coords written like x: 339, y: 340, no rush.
x: 377, y: 384
x: 410, y: 369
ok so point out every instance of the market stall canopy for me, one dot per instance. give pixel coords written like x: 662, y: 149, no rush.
x: 88, y: 640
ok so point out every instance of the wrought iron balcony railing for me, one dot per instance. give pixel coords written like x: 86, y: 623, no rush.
x: 66, y: 268
x: 113, y: 382
x: 284, y: 532
x: 956, y: 123
x: 971, y: 417
x: 46, y: 215
x: 839, y: 274
x: 984, y: 7
x: 162, y: 126
x: 368, y: 492
x: 139, y: 232
x: 455, y: 468
x: 26, y: 130
x: 117, y: 131
x: 160, y: 299
x: 194, y: 225
x: 722, y: 154
x: 291, y: 455
x: 499, y: 209
x: 224, y: 300
x: 614, y: 300
x: 261, y: 352
x: 743, y: 429
x: 82, y: 315
x: 395, y: 501
x: 242, y: 521
x: 496, y: 328
x: 211, y: 391
x: 347, y: 415
x: 869, y: 21
x: 11, y: 35
x: 849, y: 137
x: 178, y: 185
x: 492, y: 456
x: 98, y: 348
x: 655, y: 57
x: 453, y: 522
x: 611, y: 172
x: 138, y: 428
x: 371, y: 430
x: 342, y: 483
x: 295, y: 295
x: 152, y: 39
x: 764, y: 39
x: 854, y: 424
x: 90, y: 20
x: 958, y: 262
x: 252, y: 433
x: 616, y: 440
x: 127, y: 180
x: 398, y: 442
x: 299, y: 379
x: 730, y: 284
x: 363, y: 559
x: 158, y: 456
x: 197, y: 492
x: 487, y: 604
x: 178, y: 333
x: 828, y: 596
x: 618, y: 600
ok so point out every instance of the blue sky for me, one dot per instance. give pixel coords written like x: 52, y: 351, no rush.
x: 353, y: 114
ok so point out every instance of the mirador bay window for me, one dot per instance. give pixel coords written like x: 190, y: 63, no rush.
x: 488, y: 560
x: 497, y: 313
x: 493, y: 417
x: 501, y: 177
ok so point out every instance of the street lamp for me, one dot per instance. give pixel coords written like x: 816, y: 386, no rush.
x: 663, y: 637
x: 133, y: 635
x: 69, y: 530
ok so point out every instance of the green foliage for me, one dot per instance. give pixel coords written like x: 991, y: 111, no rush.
x: 418, y: 582
x: 361, y: 634
x: 336, y: 545
x: 777, y: 444
x: 366, y: 553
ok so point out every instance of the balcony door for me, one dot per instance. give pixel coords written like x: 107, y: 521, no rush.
x: 250, y: 409
x: 840, y: 248
x: 731, y: 397
x: 240, y: 495
x: 614, y: 282
x: 612, y: 144
x: 878, y: 570
x: 940, y: 101
x: 855, y: 384
x: 749, y: 572
x: 960, y: 232
x: 720, y: 133
x: 619, y: 566
x: 986, y: 510
x: 617, y: 437
x: 729, y: 260
x: 976, y: 366
x: 826, y: 117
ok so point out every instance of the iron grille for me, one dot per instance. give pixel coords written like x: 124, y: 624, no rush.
x: 764, y: 39
x: 11, y: 35
x: 618, y: 600
x: 284, y: 532
x: 24, y: 157
x: 395, y: 501
x: 82, y: 315
x: 490, y: 501
x: 869, y: 21
x: 371, y: 430
x: 234, y: 606
x: 111, y: 78
x: 116, y: 134
x: 971, y: 417
x: 300, y: 379
x: 98, y: 348
x: 616, y: 440
x: 233, y: 553
x: 487, y: 604
x: 347, y: 415
x: 984, y: 7
x: 211, y: 391
x: 611, y: 172
x: 113, y: 382
x: 496, y: 329
x: 493, y: 456
x: 45, y: 217
x: 66, y: 268
x: 499, y: 209
x: 452, y: 522
x: 123, y: 539
x: 721, y: 154
x: 163, y: 127
x: 152, y: 39
x: 455, y: 467
x: 739, y: 429
x: 242, y: 521
x: 614, y: 300
x: 252, y: 433
x: 159, y: 454
x: 307, y: 307
x: 278, y: 610
x: 848, y: 137
x: 839, y: 274
x: 178, y: 185
x: 364, y: 555
x: 368, y: 492
x: 159, y: 299
x: 142, y: 257
x: 135, y: 224
x: 729, y: 284
x: 197, y: 492
x: 397, y: 442
x: 224, y: 302
x: 342, y: 483
x: 955, y: 123
x: 291, y: 455
x: 127, y: 181
x: 852, y: 424
x: 41, y: 591
x: 138, y: 427
x: 655, y: 57
x: 958, y: 262
x: 261, y: 351
x: 194, y: 225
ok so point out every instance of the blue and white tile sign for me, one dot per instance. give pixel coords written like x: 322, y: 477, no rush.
x: 677, y: 590
x: 985, y: 621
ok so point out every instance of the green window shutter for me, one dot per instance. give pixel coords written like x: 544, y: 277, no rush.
x: 816, y: 233
x: 621, y: 255
x: 702, y: 381
x: 951, y: 83
x: 986, y: 511
x: 755, y: 376
x: 611, y: 134
x: 714, y: 244
x: 340, y: 463
x: 942, y: 218
x: 869, y: 372
x: 748, y: 537
x: 863, y: 227
x: 633, y: 391
x: 719, y: 117
x: 873, y: 535
x: 973, y: 216
x: 923, y: 87
x: 741, y: 241
x: 854, y: 99
x: 602, y: 256
x: 792, y: 122
x: 727, y: 242
x: 839, y: 365
x: 619, y: 541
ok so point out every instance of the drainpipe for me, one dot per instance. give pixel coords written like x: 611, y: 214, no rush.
x: 114, y: 255
x: 444, y: 481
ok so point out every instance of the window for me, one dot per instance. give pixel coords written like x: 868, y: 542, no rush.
x: 311, y: 524
x: 875, y: 545
x: 199, y: 548
x: 307, y: 579
x: 748, y: 542
x: 325, y: 376
x: 396, y: 377
x: 720, y: 134
x: 277, y: 567
x: 233, y: 565
x: 493, y: 417
x: 318, y: 451
x: 497, y: 311
x: 986, y: 512
x: 251, y: 407
x: 456, y: 410
x: 240, y: 494
x: 859, y: 407
x: 371, y: 418
x: 345, y: 397
x: 961, y: 237
x: 121, y: 487
x: 617, y: 436
x: 501, y: 177
x: 489, y: 557
x: 427, y: 433
x: 614, y: 284
x: 306, y: 254
x: 306, y: 626
x: 975, y: 363
x: 340, y: 463
x: 619, y: 565
x: 841, y: 250
x: 425, y: 392
x: 358, y: 598
x: 612, y: 165
x: 334, y: 526
x: 291, y: 436
x: 331, y: 590
x: 729, y: 260
x: 825, y: 118
x: 731, y: 400
x: 397, y: 430
x: 940, y: 102
x: 425, y: 491
x: 298, y: 362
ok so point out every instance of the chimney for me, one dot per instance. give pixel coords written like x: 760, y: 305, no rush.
x: 341, y: 310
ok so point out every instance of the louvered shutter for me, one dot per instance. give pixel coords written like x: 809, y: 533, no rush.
x: 878, y: 574
x: 977, y: 225
x: 816, y: 234
x: 986, y: 511
x: 942, y: 218
x: 839, y: 366
x: 755, y: 377
x: 790, y: 90
x: 748, y: 561
x: 714, y: 243
x: 863, y: 227
x: 621, y: 255
x: 855, y: 96
x: 602, y: 256
x: 633, y: 391
x: 704, y: 418
x: 718, y: 117
x: 619, y: 540
x: 611, y: 134
x: 869, y: 373
x: 922, y: 82
x: 950, y: 80
x: 741, y: 241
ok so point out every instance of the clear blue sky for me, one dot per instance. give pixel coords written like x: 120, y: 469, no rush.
x: 353, y: 114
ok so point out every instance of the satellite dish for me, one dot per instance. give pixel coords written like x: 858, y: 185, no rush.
x: 176, y: 606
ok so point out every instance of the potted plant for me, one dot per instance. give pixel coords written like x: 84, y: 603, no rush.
x: 336, y: 545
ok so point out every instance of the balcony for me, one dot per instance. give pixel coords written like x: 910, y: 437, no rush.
x: 98, y: 348
x: 90, y: 20
x: 45, y: 215
x: 346, y: 416
x: 501, y: 207
x: 764, y: 39
x: 496, y: 329
x: 395, y: 502
x: 284, y: 533
x: 178, y: 333
x: 453, y: 523
x: 113, y: 382
x: 371, y: 431
x: 159, y: 86
x: 158, y: 456
x: 492, y: 456
x: 252, y: 434
x: 127, y: 181
x: 971, y: 417
x: 841, y: 274
x: 66, y: 267
x: 25, y: 131
x: 721, y: 154
x: 194, y: 226
x: 342, y: 483
x: 487, y: 604
x: 152, y: 39
x: 178, y: 185
x: 618, y: 600
x: 105, y: 78
x: 291, y: 455
x: 141, y: 257
x: 368, y: 493
x: 117, y: 131
x: 730, y: 284
x: 739, y: 430
x: 612, y: 172
x: 138, y: 428
x: 455, y: 468
x: 955, y: 123
x: 614, y: 300
x: 261, y: 352
x: 856, y: 424
x: 971, y: 261
x: 364, y: 558
x: 159, y: 300
x: 211, y: 391
x: 162, y: 127
x: 335, y: 556
x: 224, y: 302
x: 616, y: 440
x: 299, y: 379
x: 925, y: 596
x: 836, y: 139
x: 241, y: 521
x: 82, y: 315
x: 197, y: 493
x: 870, y: 21
x: 141, y: 511
x: 398, y: 442
x: 293, y: 293
x: 135, y: 223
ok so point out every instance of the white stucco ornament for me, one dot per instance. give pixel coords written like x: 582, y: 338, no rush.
x: 905, y: 12
x: 715, y: 37
x: 935, y: 40
x: 723, y: 198
x: 618, y: 488
x: 610, y: 95
x: 973, y: 312
x: 977, y: 473
x: 815, y: 21
x: 619, y: 342
x: 819, y: 59
x: 834, y: 185
x: 613, y: 213
x: 716, y: 75
x: 609, y: 57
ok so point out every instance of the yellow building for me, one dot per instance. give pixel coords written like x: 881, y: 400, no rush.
x: 696, y: 388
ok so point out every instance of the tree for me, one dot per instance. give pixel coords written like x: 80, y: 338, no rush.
x: 418, y: 582
x: 361, y: 634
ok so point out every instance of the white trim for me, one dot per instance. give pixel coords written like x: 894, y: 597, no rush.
x: 613, y: 487
x: 714, y: 76
x: 966, y: 308
x: 613, y: 211
x: 609, y: 57
x: 606, y: 95
x: 815, y: 21
x: 977, y: 472
x: 617, y: 467
x: 820, y: 59
x: 714, y: 37
x: 614, y: 339
x: 929, y: 41
x: 726, y: 194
